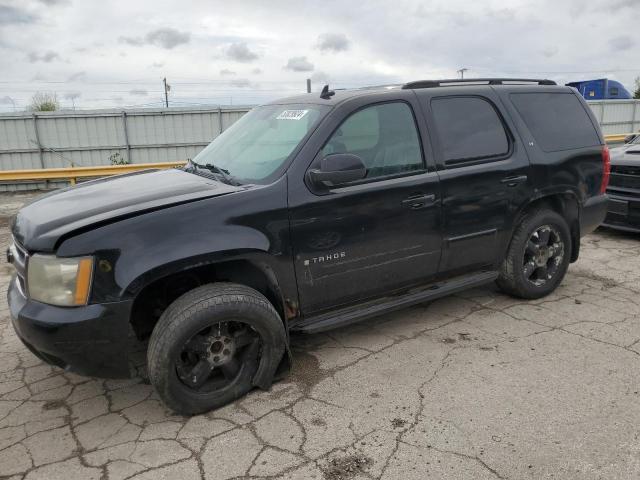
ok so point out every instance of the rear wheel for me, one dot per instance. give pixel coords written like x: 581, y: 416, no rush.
x: 208, y: 345
x: 538, y: 256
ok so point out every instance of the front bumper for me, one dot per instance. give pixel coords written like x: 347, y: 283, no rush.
x: 623, y: 212
x: 92, y: 340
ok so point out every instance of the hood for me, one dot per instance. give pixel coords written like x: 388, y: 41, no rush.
x: 628, y: 155
x: 39, y: 225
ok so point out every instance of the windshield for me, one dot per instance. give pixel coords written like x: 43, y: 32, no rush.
x: 258, y: 144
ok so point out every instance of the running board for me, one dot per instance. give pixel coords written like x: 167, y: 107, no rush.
x: 353, y: 314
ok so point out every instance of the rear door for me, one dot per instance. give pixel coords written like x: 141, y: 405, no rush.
x: 484, y: 174
x: 377, y: 235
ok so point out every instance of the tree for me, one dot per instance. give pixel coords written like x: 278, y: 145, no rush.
x: 44, y: 102
x: 636, y: 93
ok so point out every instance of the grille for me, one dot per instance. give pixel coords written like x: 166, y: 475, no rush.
x: 20, y: 258
x: 626, y: 169
x: 625, y: 176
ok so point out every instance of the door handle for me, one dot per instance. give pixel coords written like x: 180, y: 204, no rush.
x: 419, y: 201
x: 515, y: 180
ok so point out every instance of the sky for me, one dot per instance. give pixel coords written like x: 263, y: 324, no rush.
x: 115, y: 54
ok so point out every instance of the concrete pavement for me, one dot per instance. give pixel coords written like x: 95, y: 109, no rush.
x: 478, y: 386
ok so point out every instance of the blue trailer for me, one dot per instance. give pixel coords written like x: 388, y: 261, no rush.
x: 601, y: 89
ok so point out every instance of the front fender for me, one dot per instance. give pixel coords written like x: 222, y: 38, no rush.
x: 251, y: 225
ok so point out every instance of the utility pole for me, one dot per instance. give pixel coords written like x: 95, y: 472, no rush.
x: 461, y: 72
x: 308, y: 85
x: 167, y: 89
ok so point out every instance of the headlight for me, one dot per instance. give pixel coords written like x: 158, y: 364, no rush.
x: 59, y: 281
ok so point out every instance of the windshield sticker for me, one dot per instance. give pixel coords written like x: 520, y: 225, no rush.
x: 292, y: 115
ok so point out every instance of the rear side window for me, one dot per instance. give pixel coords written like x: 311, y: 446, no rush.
x: 557, y: 121
x: 469, y: 128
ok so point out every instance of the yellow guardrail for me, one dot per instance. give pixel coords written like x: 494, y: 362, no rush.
x: 616, y: 138
x: 73, y: 173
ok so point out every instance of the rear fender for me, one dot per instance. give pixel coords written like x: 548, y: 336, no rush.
x: 565, y: 202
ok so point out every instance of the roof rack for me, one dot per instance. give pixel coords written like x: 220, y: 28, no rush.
x: 387, y: 86
x: 475, y: 81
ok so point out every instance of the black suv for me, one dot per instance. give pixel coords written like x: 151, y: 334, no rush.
x: 307, y: 214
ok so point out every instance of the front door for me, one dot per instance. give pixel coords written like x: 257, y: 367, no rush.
x: 377, y: 235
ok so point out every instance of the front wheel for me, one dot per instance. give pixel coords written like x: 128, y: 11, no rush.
x: 208, y: 345
x: 538, y: 256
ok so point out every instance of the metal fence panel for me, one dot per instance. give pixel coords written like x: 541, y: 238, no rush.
x: 87, y: 138
x: 617, y: 116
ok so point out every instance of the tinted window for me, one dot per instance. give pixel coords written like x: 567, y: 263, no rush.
x: 383, y: 136
x: 468, y: 128
x: 557, y: 121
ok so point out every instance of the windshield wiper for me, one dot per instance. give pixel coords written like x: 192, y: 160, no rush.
x: 193, y: 166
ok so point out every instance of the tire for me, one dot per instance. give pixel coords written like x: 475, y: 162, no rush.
x: 516, y: 276
x: 185, y: 336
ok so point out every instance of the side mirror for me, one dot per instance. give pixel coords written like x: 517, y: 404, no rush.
x: 338, y: 169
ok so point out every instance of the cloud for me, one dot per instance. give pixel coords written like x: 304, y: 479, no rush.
x: 550, y: 51
x: 299, y: 64
x: 320, y: 77
x: 167, y: 38
x: 256, y: 71
x: 135, y: 41
x: 240, y: 53
x: 241, y: 83
x: 7, y: 100
x: 46, y: 57
x: 72, y: 95
x: 623, y: 42
x: 333, y: 42
x: 139, y: 92
x: 613, y: 6
x: 226, y: 71
x: 157, y: 64
x: 77, y: 77
x: 15, y: 16
x: 51, y: 3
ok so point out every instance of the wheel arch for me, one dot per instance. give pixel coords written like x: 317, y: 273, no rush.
x: 154, y: 291
x: 565, y: 203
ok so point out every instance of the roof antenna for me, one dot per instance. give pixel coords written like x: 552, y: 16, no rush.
x: 326, y: 94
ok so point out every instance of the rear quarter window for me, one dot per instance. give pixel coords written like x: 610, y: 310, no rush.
x: 557, y: 121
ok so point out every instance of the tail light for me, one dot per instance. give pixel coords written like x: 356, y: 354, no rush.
x: 606, y: 168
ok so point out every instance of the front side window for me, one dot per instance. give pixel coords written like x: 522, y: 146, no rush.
x: 469, y: 129
x: 384, y: 136
x: 258, y: 144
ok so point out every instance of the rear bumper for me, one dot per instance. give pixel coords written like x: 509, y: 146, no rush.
x: 91, y: 340
x: 593, y: 213
x: 623, y: 212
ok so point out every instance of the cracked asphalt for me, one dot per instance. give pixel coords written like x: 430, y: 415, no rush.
x: 478, y: 386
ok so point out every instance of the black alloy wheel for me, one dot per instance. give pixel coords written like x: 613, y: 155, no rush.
x: 543, y: 255
x: 212, y: 358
